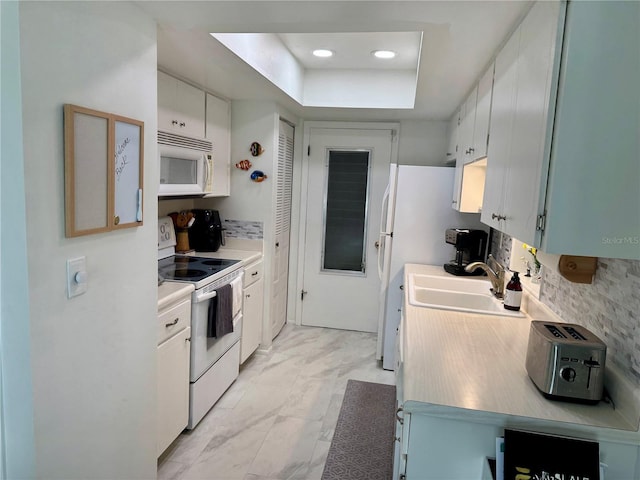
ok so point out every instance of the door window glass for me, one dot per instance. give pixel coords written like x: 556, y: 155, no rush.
x: 345, y: 219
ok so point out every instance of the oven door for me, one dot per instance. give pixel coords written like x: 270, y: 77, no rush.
x: 183, y: 171
x: 205, y: 351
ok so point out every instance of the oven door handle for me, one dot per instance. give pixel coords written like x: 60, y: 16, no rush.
x: 201, y: 297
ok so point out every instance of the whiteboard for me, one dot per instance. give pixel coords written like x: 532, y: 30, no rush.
x: 104, y: 159
x: 127, y: 171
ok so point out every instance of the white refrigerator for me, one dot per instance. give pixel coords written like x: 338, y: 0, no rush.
x: 416, y: 211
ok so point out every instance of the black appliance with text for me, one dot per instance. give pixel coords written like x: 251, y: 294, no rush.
x: 206, y: 234
x: 470, y: 247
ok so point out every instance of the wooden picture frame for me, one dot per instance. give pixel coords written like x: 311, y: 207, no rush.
x: 104, y: 167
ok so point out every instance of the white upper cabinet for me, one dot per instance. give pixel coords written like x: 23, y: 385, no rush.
x: 499, y: 152
x: 181, y: 107
x: 483, y: 113
x: 467, y: 126
x: 458, y: 156
x: 563, y: 172
x: 219, y: 132
x: 452, y: 131
x: 522, y: 94
x: 471, y: 145
x: 593, y: 189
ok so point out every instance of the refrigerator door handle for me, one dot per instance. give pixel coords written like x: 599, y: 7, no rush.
x: 383, y: 210
x: 383, y: 228
x: 381, y: 241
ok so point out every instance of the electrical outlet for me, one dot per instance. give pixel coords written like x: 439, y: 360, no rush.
x: 77, y: 277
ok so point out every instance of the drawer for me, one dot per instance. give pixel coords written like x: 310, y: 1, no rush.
x: 253, y: 273
x: 173, y: 319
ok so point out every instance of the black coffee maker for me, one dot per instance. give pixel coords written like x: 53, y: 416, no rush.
x: 206, y: 233
x: 470, y: 247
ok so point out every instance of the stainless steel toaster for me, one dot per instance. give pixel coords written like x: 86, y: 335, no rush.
x: 566, y: 361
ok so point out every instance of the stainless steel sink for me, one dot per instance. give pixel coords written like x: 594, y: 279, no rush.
x: 459, y: 294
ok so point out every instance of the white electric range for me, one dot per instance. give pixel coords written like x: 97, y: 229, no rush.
x: 214, y: 362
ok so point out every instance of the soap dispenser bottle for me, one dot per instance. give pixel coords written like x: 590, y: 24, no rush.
x: 513, y: 293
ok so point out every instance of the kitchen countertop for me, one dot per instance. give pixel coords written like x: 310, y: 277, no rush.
x: 247, y: 256
x: 169, y: 292
x: 464, y: 364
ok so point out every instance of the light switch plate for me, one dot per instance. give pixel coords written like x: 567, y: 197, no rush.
x: 77, y: 279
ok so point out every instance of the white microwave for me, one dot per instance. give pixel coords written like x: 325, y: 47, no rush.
x: 186, y: 165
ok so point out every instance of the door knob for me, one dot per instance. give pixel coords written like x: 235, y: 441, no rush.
x: 377, y: 244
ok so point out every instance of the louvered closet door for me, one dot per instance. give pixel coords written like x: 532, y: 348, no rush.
x: 283, y: 227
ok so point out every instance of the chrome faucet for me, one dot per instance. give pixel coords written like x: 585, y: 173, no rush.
x: 495, y: 272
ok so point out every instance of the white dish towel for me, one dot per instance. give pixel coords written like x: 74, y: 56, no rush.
x: 236, y: 287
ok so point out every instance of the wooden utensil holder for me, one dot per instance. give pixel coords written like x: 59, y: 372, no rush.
x: 182, y: 240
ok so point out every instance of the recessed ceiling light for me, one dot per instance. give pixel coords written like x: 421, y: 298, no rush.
x: 321, y: 52
x: 383, y: 54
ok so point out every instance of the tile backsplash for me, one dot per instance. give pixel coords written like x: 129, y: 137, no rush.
x: 243, y: 229
x: 500, y: 247
x: 609, y: 307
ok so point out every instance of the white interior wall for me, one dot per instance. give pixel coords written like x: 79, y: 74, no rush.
x: 344, y: 88
x: 16, y: 402
x: 266, y: 53
x: 252, y: 121
x: 256, y: 121
x: 167, y: 206
x: 422, y: 142
x: 94, y: 356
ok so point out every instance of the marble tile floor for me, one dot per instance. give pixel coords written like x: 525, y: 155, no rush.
x: 277, y: 420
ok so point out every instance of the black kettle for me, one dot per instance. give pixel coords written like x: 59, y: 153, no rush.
x: 206, y: 233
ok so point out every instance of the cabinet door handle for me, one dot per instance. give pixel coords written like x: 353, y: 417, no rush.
x: 471, y: 150
x: 248, y: 295
x: 182, y: 124
x: 498, y: 217
x: 401, y: 420
x: 188, y: 339
x: 171, y: 324
x: 174, y: 122
x: 254, y: 274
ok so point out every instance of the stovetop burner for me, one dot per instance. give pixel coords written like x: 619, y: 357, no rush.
x: 198, y: 270
x: 214, y: 261
x: 188, y: 273
x: 186, y: 259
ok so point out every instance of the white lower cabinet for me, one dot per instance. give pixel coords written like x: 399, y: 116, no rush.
x: 449, y: 446
x: 174, y: 337
x: 173, y: 388
x: 252, y: 310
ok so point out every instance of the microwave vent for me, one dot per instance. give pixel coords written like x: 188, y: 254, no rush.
x: 175, y: 140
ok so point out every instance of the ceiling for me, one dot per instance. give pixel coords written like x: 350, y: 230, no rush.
x: 459, y: 39
x: 353, y: 49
